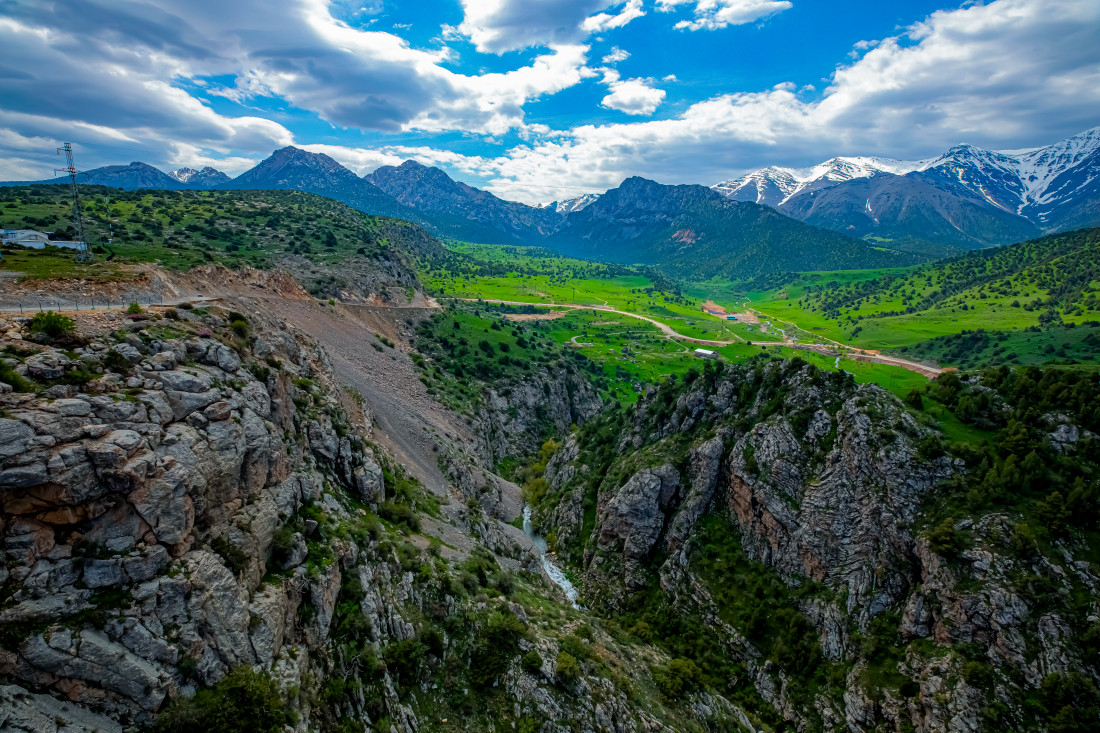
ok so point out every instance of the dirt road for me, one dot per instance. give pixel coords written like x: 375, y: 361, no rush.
x: 845, y: 351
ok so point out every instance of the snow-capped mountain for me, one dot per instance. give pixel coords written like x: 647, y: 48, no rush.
x: 568, y: 206
x: 967, y: 197
x: 772, y: 186
x: 206, y: 178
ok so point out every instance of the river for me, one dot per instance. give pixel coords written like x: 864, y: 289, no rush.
x: 552, y: 571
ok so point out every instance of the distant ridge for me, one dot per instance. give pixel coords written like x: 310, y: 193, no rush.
x: 968, y: 197
x: 695, y: 232
x: 301, y: 170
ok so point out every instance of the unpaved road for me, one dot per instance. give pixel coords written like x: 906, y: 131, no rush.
x: 851, y: 352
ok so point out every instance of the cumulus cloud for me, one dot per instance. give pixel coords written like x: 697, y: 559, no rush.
x: 366, y: 160
x: 631, y: 96
x: 714, y: 14
x: 606, y: 21
x: 616, y: 55
x: 1007, y: 74
x: 497, y: 26
x: 136, y: 70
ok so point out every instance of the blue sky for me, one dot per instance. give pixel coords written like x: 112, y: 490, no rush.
x: 540, y: 99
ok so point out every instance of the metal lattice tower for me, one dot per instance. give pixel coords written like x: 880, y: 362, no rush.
x: 83, y: 254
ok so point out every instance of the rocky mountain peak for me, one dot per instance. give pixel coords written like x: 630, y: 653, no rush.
x: 208, y: 177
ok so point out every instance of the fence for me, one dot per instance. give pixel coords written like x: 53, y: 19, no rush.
x: 38, y: 305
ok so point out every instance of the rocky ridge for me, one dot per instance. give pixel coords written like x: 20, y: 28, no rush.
x: 824, y: 488
x: 191, y: 493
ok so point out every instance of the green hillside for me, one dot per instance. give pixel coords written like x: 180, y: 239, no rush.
x: 1058, y: 274
x: 1040, y: 284
x: 183, y: 229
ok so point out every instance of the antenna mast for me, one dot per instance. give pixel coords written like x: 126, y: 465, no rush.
x: 83, y: 254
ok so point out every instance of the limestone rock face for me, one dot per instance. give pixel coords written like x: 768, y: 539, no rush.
x: 823, y: 483
x: 514, y: 418
x: 29, y: 713
x: 631, y: 520
x: 148, y: 516
x: 844, y: 522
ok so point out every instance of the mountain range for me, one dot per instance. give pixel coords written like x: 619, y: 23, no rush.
x: 845, y: 212
x: 968, y: 197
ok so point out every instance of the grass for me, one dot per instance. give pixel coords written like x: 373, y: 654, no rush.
x: 1008, y: 289
x: 184, y: 229
x: 54, y: 262
x: 532, y: 275
x: 632, y: 352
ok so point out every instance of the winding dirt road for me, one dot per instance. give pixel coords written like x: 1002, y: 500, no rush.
x: 848, y: 351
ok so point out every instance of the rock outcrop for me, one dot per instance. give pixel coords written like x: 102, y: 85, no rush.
x: 808, y: 481
x: 183, y: 498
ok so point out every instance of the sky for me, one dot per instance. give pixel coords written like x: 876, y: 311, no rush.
x: 539, y: 100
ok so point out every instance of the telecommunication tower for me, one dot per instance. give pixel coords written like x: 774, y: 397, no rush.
x: 83, y: 254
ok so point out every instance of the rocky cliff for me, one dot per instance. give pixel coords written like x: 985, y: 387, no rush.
x: 187, y: 497
x: 794, y: 519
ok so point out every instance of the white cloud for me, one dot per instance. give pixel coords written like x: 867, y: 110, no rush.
x: 606, y: 21
x: 616, y: 55
x: 714, y: 14
x: 144, y: 58
x: 497, y: 26
x: 366, y: 160
x: 1007, y: 74
x: 631, y: 96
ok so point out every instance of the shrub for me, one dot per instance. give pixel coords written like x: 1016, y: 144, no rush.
x: 978, y: 674
x: 568, y: 668
x: 239, y: 327
x: 402, y: 658
x: 495, y: 647
x: 243, y: 701
x: 678, y: 677
x: 282, y: 544
x: 576, y: 646
x: 134, y: 309
x: 532, y: 662
x: 116, y: 362
x: 945, y: 539
x: 1071, y: 703
x: 10, y: 377
x: 399, y: 513
x: 51, y: 324
x: 234, y: 557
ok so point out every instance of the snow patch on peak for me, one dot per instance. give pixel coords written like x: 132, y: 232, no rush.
x: 775, y: 185
x: 1039, y: 168
x: 568, y: 206
x: 183, y: 175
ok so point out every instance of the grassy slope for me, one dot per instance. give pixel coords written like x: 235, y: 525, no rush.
x: 532, y: 275
x: 1009, y: 288
x: 183, y: 229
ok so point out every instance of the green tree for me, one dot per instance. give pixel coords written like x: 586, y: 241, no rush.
x: 945, y: 539
x: 52, y: 324
x: 568, y: 668
x: 244, y: 701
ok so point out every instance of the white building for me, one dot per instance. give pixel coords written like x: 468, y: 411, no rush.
x: 32, y: 239
x: 706, y: 354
